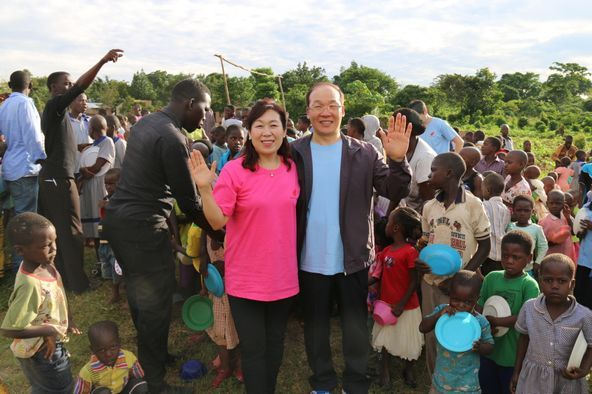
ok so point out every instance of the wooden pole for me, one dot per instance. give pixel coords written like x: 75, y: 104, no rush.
x: 225, y: 81
x: 279, y: 77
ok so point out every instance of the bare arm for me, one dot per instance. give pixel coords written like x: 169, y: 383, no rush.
x: 413, y: 281
x: 523, y: 342
x: 458, y: 143
x: 483, y: 247
x: 88, y: 77
x: 30, y: 332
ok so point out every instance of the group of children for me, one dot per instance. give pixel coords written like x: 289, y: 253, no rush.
x: 516, y: 243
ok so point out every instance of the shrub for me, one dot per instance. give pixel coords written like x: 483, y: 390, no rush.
x: 540, y: 126
x: 553, y: 124
x: 522, y: 122
x: 580, y: 140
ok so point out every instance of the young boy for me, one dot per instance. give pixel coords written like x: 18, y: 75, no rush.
x: 38, y: 318
x: 526, y: 146
x: 516, y: 185
x: 531, y: 159
x: 110, y: 268
x: 455, y: 371
x: 523, y: 208
x: 548, y: 184
x: 220, y: 147
x: 490, y: 161
x: 111, y: 369
x: 113, y: 127
x: 516, y: 287
x: 234, y: 139
x: 499, y: 219
x: 557, y: 225
x: 456, y: 218
x: 576, y: 166
x: 472, y: 179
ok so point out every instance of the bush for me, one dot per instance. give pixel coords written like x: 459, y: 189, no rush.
x: 580, y: 140
x: 540, y: 126
x: 522, y: 122
x: 553, y: 124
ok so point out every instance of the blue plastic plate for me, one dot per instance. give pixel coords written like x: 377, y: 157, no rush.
x: 458, y: 332
x: 443, y: 259
x: 214, y: 282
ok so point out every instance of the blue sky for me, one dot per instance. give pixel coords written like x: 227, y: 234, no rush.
x: 414, y: 41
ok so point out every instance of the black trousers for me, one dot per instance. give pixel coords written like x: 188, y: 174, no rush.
x: 146, y: 259
x: 261, y: 327
x: 59, y: 202
x: 583, y: 289
x: 351, y: 292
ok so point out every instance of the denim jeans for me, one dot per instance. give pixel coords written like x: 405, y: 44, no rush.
x: 48, y: 376
x: 24, y: 193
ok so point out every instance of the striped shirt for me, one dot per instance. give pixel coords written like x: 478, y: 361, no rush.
x: 96, y: 374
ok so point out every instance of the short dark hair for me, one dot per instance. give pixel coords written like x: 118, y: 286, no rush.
x: 496, y: 142
x: 468, y: 279
x: 453, y: 161
x: 569, y: 137
x: 53, y: 77
x: 112, y: 122
x: 520, y: 238
x: 419, y: 106
x: 494, y: 183
x: 581, y: 155
x: 409, y: 220
x: 230, y: 106
x: 205, y: 143
x: 99, y: 328
x: 412, y: 116
x: 319, y: 84
x: 358, y: 123
x: 21, y: 227
x: 19, y: 81
x: 558, y: 258
x: 523, y: 197
x: 479, y: 135
x: 189, y: 89
x: 116, y: 172
x: 304, y: 119
x: 251, y: 155
x: 218, y: 129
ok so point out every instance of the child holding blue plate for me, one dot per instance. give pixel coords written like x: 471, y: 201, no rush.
x: 457, y: 371
x: 515, y: 286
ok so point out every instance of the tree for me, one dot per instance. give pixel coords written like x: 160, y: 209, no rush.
x: 296, y: 100
x: 566, y: 84
x: 141, y: 87
x: 520, y: 86
x: 303, y: 75
x: 361, y: 100
x: 410, y: 92
x: 265, y: 86
x: 376, y: 80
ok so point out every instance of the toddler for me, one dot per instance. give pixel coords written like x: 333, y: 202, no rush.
x: 549, y: 326
x: 38, y: 318
x: 111, y: 369
x: 455, y: 372
x: 516, y: 287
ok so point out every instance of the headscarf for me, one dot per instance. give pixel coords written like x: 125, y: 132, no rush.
x: 372, y: 124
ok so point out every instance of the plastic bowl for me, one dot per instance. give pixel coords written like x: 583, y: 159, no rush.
x: 192, y: 369
x: 383, y: 314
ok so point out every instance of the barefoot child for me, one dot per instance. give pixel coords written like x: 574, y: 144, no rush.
x: 110, y: 269
x: 455, y: 371
x: 516, y: 185
x: 398, y: 284
x: 549, y: 326
x: 111, y: 369
x: 38, y: 318
x: 516, y: 287
x: 523, y: 207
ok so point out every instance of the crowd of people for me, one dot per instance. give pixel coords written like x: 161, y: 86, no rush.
x: 302, y: 217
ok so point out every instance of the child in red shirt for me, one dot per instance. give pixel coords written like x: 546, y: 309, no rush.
x: 398, y: 283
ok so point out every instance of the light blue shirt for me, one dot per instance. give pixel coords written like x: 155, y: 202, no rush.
x: 585, y: 257
x: 439, y: 135
x: 322, y: 252
x: 20, y: 125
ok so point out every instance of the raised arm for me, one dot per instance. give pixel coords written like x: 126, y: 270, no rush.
x: 203, y: 178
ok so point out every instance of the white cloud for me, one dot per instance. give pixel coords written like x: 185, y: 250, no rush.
x: 413, y: 42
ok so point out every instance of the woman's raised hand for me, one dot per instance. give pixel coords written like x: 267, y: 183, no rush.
x: 201, y: 174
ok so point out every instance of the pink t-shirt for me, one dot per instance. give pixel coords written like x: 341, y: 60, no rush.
x: 557, y: 231
x: 260, y: 256
x: 563, y: 180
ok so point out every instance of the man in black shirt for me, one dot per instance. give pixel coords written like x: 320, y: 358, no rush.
x: 155, y: 172
x: 58, y: 195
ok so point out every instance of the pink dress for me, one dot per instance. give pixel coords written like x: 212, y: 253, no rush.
x: 260, y: 255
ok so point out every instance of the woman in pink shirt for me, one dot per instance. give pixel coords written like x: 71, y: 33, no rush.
x: 255, y: 198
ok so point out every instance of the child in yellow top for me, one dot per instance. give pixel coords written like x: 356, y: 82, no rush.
x: 37, y: 316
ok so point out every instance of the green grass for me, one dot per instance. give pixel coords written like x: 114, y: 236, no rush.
x: 92, y: 306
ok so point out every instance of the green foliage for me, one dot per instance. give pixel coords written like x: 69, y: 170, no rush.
x: 520, y: 86
x: 374, y: 79
x: 361, y: 100
x: 303, y: 75
x: 265, y: 86
x: 296, y: 100
x: 522, y: 122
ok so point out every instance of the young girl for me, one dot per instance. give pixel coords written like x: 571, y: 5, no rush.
x: 398, y: 284
x: 565, y: 173
x: 557, y: 225
x: 38, y: 318
x: 516, y: 185
x: 456, y: 372
x: 549, y: 326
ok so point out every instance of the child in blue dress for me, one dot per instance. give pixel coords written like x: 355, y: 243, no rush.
x: 457, y: 372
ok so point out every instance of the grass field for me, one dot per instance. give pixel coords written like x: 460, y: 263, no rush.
x: 93, y: 306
